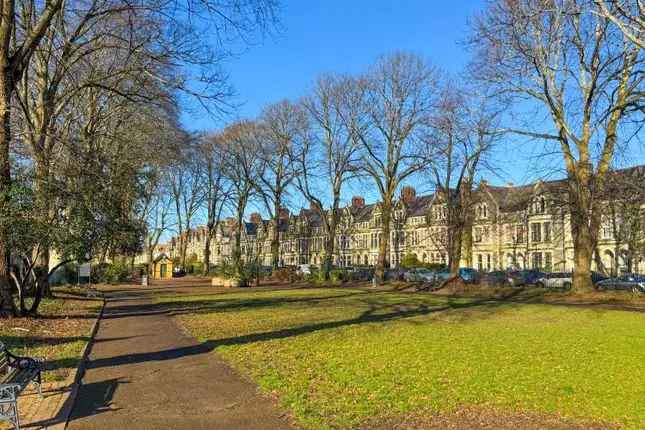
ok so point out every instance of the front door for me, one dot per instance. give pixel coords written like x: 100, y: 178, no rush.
x: 162, y: 271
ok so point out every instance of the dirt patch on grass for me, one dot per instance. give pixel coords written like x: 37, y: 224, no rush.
x: 484, y: 419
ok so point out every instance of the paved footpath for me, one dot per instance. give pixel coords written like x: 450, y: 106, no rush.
x: 145, y: 373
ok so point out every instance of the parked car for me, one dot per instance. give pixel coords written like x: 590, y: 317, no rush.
x: 419, y: 275
x: 394, y: 274
x: 597, y: 277
x: 498, y: 277
x: 469, y: 276
x: 305, y: 269
x: 178, y: 272
x: 520, y: 278
x: 556, y: 280
x: 633, y: 283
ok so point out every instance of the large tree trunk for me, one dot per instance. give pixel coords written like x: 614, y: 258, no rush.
x: 383, y: 261
x: 207, y: 251
x: 454, y: 256
x: 330, y: 243
x: 275, y: 240
x: 237, y: 250
x: 44, y: 212
x: 7, y: 307
x: 582, y: 225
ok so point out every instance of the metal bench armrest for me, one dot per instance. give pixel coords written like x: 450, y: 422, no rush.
x: 9, y: 392
x: 18, y: 362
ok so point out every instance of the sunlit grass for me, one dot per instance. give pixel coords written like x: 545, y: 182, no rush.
x: 338, y: 357
x: 58, y: 335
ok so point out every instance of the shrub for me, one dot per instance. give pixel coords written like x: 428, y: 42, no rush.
x: 286, y: 274
x: 339, y: 275
x: 410, y: 261
x: 108, y: 273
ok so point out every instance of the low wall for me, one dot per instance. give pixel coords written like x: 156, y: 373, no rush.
x: 218, y: 281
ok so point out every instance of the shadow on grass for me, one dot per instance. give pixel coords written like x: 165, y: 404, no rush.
x: 180, y: 307
x: 376, y: 313
x: 37, y: 341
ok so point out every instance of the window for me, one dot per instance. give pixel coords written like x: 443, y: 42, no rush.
x: 478, y: 234
x: 547, y: 261
x: 488, y: 265
x: 547, y: 232
x: 536, y: 235
x: 536, y: 260
x: 480, y: 264
x: 519, y: 234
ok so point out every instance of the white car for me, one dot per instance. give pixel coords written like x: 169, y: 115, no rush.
x: 305, y: 269
x: 555, y: 280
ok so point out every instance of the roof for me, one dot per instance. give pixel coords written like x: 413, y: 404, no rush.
x: 161, y: 257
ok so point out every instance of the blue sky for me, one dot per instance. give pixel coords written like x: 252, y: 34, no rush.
x: 341, y: 36
x: 347, y: 36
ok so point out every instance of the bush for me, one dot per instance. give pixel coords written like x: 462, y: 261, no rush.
x: 339, y: 275
x: 286, y: 274
x: 108, y: 273
x: 410, y: 261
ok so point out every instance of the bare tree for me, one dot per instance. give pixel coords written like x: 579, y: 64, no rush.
x: 185, y: 180
x: 627, y: 15
x: 459, y: 139
x: 278, y: 129
x: 242, y: 165
x: 398, y: 96
x: 217, y: 190
x: 329, y: 155
x: 574, y: 65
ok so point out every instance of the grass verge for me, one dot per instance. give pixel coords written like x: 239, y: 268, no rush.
x: 340, y: 358
x: 59, y: 334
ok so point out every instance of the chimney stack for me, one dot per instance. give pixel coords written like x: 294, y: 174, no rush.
x: 256, y: 218
x: 408, y: 194
x: 283, y: 214
x: 358, y: 202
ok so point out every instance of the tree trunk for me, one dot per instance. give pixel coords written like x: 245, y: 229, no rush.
x: 7, y: 307
x: 328, y: 259
x: 581, y: 230
x: 454, y: 257
x: 383, y: 261
x: 207, y: 251
x: 275, y: 240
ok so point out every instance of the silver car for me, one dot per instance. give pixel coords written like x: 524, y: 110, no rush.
x: 419, y: 275
x: 555, y: 280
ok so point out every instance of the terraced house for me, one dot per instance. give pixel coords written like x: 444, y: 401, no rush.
x: 525, y: 226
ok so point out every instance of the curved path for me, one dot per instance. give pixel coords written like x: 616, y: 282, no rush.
x: 145, y: 373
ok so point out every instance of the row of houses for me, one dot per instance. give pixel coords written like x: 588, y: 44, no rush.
x: 524, y: 226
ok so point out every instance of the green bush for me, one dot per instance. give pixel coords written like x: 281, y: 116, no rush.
x: 108, y: 273
x: 410, y: 261
x: 339, y: 275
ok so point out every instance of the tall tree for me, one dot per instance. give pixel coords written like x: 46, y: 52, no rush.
x: 278, y: 129
x: 398, y: 96
x: 185, y: 179
x: 328, y: 157
x: 217, y: 189
x: 460, y: 137
x: 574, y: 65
x: 242, y: 165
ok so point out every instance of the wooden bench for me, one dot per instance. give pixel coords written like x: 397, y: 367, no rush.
x: 15, y: 374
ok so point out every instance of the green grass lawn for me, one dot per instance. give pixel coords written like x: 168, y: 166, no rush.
x: 59, y: 334
x: 338, y: 357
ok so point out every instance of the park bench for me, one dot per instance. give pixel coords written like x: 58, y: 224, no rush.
x: 15, y: 374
